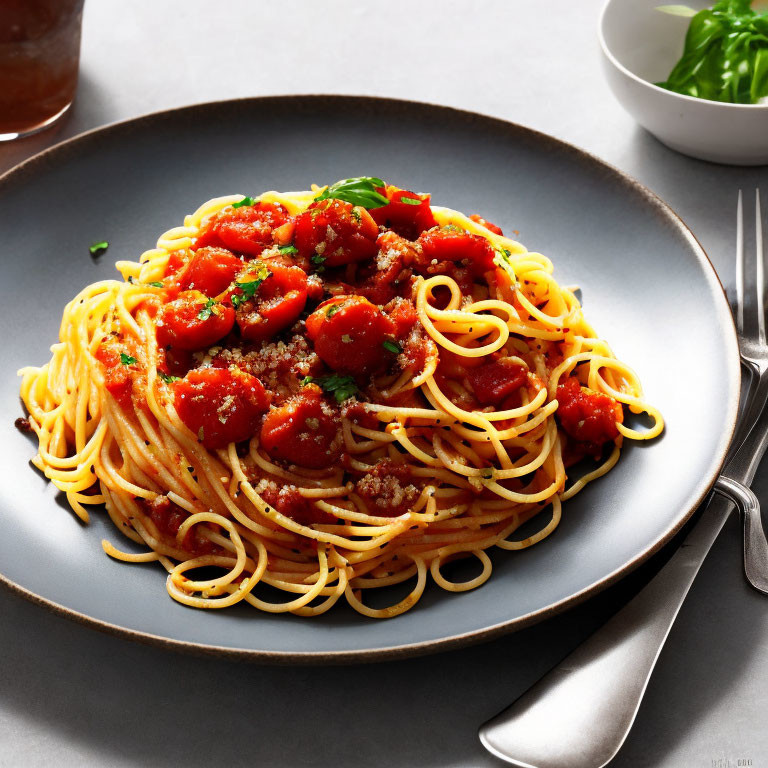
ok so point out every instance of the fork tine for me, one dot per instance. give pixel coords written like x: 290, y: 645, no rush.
x: 739, y: 266
x: 759, y: 270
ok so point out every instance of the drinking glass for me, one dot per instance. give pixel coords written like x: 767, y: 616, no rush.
x: 39, y: 60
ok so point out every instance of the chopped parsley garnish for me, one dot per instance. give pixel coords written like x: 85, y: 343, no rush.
x: 332, y: 310
x: 245, y: 201
x: 391, y: 346
x: 207, y: 310
x: 341, y: 387
x: 288, y: 249
x: 156, y: 284
x: 248, y: 291
x: 411, y: 201
x: 127, y: 359
x: 168, y: 379
x: 503, y: 259
x: 360, y: 190
x: 249, y: 287
x: 318, y: 261
x: 261, y: 270
x: 98, y: 248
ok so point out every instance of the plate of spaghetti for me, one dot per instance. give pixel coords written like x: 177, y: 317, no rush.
x: 357, y: 420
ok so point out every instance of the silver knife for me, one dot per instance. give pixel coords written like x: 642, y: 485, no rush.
x: 579, y: 714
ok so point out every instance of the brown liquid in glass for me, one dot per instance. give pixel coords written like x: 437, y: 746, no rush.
x: 39, y: 58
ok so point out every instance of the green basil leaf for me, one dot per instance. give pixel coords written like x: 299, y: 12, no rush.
x: 360, y: 190
x: 248, y: 288
x: 724, y: 54
x: 288, y: 249
x: 127, y: 359
x: 391, y: 346
x: 411, y: 201
x: 759, y: 85
x: 245, y: 201
x: 341, y: 387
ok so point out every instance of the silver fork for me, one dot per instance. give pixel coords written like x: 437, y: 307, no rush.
x: 752, y: 341
x: 579, y: 714
x: 754, y: 357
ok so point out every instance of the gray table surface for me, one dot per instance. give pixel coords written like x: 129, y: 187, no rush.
x: 72, y: 696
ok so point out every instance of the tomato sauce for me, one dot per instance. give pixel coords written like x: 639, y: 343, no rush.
x: 288, y: 501
x: 493, y: 382
x: 303, y: 431
x: 272, y: 327
x: 168, y: 518
x: 587, y: 416
x: 119, y: 368
x: 387, y: 488
x: 221, y: 405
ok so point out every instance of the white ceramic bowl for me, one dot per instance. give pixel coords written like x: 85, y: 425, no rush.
x: 640, y: 46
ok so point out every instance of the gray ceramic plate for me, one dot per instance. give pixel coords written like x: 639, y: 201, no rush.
x: 647, y: 286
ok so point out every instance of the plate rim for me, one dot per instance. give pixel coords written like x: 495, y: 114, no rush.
x: 732, y: 375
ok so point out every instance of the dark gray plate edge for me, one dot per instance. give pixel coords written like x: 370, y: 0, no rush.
x: 698, y: 493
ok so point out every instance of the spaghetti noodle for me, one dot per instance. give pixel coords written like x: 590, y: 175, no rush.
x: 327, y: 392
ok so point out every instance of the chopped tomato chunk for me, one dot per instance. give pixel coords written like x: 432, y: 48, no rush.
x: 449, y: 244
x: 247, y: 229
x: 487, y: 224
x: 220, y: 405
x: 387, y: 489
x: 175, y: 362
x: 348, y: 333
x: 288, y: 501
x: 586, y: 415
x: 188, y: 322
x: 493, y: 382
x: 403, y: 314
x: 391, y: 275
x: 284, y: 233
x: 211, y: 270
x: 168, y: 518
x: 176, y: 261
x: 315, y: 288
x: 118, y: 378
x: 454, y: 366
x: 276, y: 303
x: 417, y: 349
x: 304, y: 431
x: 357, y: 414
x: 407, y: 213
x: 337, y: 232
